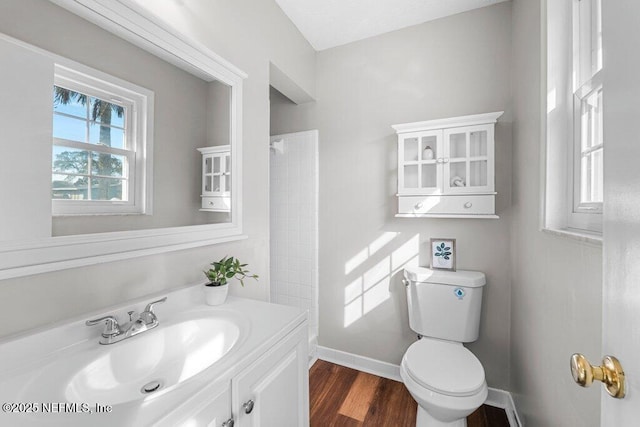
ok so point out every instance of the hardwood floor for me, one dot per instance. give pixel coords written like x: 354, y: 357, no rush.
x: 344, y: 397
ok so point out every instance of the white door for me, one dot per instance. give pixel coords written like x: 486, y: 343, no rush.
x: 621, y: 288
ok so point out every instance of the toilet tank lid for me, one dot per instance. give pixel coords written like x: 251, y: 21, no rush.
x: 468, y: 279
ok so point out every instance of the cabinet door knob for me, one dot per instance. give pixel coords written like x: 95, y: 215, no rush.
x: 210, y: 203
x: 440, y: 160
x: 445, y: 160
x: 418, y: 205
x: 248, y: 406
x: 468, y: 205
x: 228, y: 423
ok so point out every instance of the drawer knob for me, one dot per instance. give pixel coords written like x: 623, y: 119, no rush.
x: 468, y: 205
x: 210, y: 203
x: 248, y: 406
x: 418, y: 205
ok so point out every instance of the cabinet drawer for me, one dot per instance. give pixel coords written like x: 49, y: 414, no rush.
x: 441, y: 205
x: 219, y: 204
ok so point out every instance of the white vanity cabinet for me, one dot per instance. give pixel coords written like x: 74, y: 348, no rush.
x: 446, y: 167
x: 211, y: 408
x: 274, y: 390
x: 216, y: 178
x: 270, y: 389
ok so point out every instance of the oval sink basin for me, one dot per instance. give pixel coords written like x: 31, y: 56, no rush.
x: 153, y: 360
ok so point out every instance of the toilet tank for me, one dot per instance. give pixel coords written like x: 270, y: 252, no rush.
x: 444, y: 304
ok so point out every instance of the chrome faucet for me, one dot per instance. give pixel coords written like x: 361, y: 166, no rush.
x: 137, y: 324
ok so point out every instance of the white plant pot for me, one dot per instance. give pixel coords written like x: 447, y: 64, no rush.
x: 216, y: 295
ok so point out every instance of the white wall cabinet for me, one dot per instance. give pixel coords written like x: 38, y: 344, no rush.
x: 216, y: 178
x: 446, y: 167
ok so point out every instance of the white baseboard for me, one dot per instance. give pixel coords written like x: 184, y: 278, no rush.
x: 361, y: 363
x: 313, y: 350
x: 502, y: 399
x: 497, y: 398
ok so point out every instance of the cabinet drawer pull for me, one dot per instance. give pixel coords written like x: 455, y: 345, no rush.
x: 228, y: 423
x: 468, y: 205
x: 418, y: 205
x: 248, y: 406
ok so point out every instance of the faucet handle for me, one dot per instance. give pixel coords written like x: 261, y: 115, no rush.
x: 149, y: 308
x: 111, y: 325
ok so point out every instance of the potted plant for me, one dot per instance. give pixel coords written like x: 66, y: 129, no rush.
x: 219, y: 274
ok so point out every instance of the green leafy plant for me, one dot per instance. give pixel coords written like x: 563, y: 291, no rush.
x: 225, y: 269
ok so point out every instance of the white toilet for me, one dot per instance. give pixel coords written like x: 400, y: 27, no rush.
x: 445, y: 378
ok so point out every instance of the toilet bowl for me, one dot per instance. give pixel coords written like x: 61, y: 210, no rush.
x: 445, y: 379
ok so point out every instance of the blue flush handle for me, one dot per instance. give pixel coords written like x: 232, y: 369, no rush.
x: 459, y: 293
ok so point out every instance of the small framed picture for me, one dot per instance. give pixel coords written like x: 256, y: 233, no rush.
x: 443, y: 254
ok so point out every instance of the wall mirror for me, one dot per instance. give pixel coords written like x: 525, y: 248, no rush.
x: 105, y: 125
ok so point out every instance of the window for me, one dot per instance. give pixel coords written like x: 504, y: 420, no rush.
x: 573, y: 194
x: 586, y: 182
x: 101, y: 145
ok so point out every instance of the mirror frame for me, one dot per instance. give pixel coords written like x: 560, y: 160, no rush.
x: 132, y: 23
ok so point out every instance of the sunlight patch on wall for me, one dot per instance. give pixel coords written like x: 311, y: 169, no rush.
x: 368, y: 251
x: 405, y: 253
x: 373, y: 287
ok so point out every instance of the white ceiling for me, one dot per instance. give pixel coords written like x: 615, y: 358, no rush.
x: 329, y: 23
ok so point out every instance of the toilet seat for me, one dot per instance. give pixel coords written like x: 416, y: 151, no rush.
x: 444, y: 367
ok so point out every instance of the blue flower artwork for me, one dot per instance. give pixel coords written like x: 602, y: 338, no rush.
x: 443, y: 254
x: 443, y: 251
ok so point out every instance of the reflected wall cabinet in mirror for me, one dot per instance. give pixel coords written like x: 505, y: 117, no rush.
x: 87, y: 203
x: 216, y: 178
x: 446, y: 167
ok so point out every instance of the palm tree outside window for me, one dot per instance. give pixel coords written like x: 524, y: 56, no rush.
x: 94, y: 172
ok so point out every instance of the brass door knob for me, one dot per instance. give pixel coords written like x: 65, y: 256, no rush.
x: 610, y: 373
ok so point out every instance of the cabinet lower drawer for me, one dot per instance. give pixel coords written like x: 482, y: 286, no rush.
x: 443, y: 205
x: 216, y: 203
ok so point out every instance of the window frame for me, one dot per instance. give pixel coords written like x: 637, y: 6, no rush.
x: 138, y: 135
x: 587, y: 79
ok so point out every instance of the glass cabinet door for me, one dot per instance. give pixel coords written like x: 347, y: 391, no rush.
x: 207, y: 174
x: 468, y: 159
x: 216, y: 174
x: 418, y: 167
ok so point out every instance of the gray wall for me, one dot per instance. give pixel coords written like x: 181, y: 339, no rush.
x: 26, y: 100
x: 289, y: 117
x: 250, y: 35
x: 557, y: 282
x: 450, y: 67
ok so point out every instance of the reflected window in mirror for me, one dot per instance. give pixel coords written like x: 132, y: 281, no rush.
x: 100, y: 150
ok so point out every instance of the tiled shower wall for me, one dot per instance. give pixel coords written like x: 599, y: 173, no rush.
x: 294, y: 223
